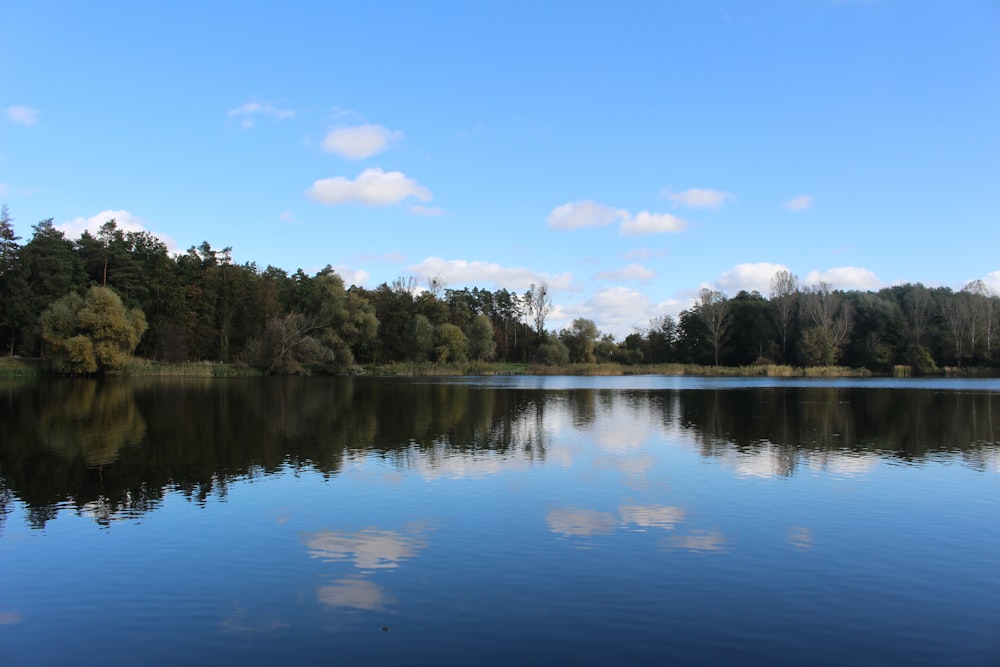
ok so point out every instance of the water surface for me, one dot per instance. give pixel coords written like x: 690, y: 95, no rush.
x: 643, y: 520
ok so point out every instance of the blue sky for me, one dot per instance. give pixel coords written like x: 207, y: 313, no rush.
x: 625, y: 153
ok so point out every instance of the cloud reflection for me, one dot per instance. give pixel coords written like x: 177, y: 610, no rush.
x: 843, y: 464
x: 354, y: 594
x: 700, y: 541
x: 581, y: 522
x: 369, y: 549
x: 653, y: 516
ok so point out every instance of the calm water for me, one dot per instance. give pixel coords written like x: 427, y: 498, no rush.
x: 508, y: 521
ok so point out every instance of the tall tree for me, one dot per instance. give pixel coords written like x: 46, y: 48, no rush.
x: 482, y: 341
x: 713, y: 309
x: 539, y: 305
x: 784, y: 292
x: 829, y: 313
x: 14, y: 295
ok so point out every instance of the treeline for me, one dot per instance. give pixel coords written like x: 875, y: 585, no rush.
x: 200, y: 306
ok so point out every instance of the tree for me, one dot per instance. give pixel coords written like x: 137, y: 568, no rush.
x: 552, y: 352
x: 752, y: 337
x: 830, y: 313
x: 482, y: 343
x: 539, y: 305
x: 451, y: 343
x: 957, y: 312
x: 660, y: 340
x: 918, y: 306
x: 713, y: 309
x: 423, y: 338
x: 14, y: 293
x: 50, y: 267
x: 579, y: 340
x: 91, y: 334
x: 784, y: 291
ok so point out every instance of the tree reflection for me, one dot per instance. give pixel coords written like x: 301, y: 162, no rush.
x: 113, y: 449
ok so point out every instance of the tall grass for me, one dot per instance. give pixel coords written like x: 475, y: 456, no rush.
x: 201, y: 369
x: 17, y: 367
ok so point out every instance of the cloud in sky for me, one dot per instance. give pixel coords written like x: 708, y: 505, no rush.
x: 22, y: 115
x: 750, y: 276
x: 698, y: 198
x: 992, y: 280
x: 587, y: 213
x: 630, y: 272
x: 800, y: 203
x: 352, y: 276
x: 463, y: 272
x: 617, y: 310
x: 651, y: 223
x: 845, y: 278
x: 251, y: 110
x: 372, y: 187
x: 124, y: 220
x: 359, y: 142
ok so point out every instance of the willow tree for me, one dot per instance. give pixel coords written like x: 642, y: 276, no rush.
x: 90, y: 334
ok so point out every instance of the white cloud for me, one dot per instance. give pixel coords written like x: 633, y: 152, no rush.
x: 287, y: 216
x: 800, y: 203
x: 372, y: 187
x: 4, y: 189
x: 651, y: 223
x: 992, y: 281
x: 617, y: 310
x: 845, y: 278
x: 361, y: 141
x: 124, y: 220
x: 352, y: 276
x: 250, y: 110
x: 698, y: 198
x: 630, y: 272
x: 427, y: 211
x: 749, y: 277
x: 461, y: 272
x: 26, y: 116
x: 575, y: 215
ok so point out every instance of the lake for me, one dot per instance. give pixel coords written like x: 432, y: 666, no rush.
x: 500, y: 521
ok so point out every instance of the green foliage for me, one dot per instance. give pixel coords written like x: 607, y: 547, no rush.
x: 423, y: 338
x: 552, y: 352
x: 92, y: 334
x: 450, y: 343
x: 818, y: 348
x: 579, y: 340
x: 482, y: 344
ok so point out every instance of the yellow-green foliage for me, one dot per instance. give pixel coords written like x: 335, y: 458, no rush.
x: 87, y: 335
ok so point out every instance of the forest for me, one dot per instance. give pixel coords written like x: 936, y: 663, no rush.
x: 85, y: 306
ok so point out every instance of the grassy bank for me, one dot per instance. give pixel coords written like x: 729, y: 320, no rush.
x: 17, y: 367
x: 201, y: 369
x: 489, y: 368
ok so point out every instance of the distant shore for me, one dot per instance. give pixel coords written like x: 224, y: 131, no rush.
x: 20, y: 367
